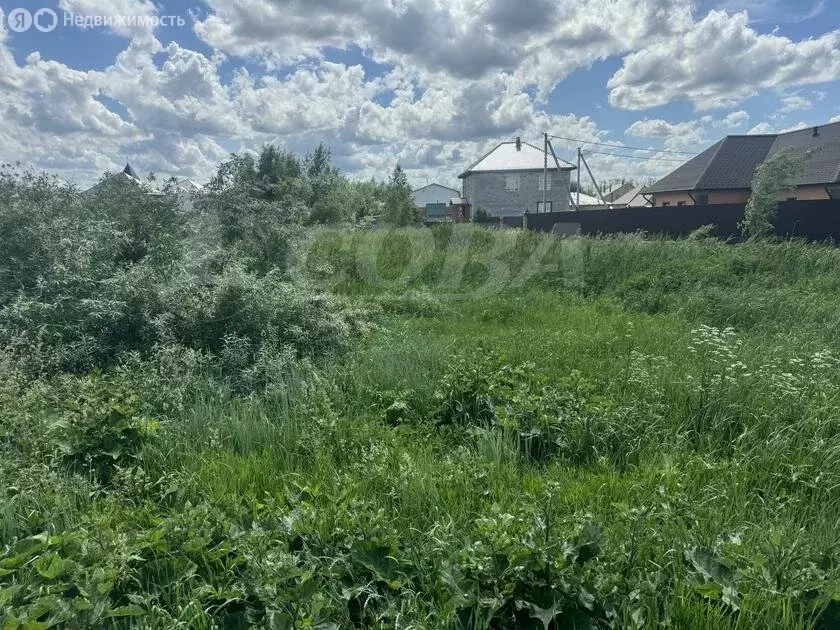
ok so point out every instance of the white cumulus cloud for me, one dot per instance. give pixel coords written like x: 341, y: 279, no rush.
x: 675, y: 135
x: 720, y: 61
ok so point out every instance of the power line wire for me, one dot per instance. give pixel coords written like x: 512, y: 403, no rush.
x: 623, y: 146
x: 635, y: 157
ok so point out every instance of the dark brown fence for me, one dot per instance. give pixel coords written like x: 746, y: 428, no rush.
x: 813, y: 220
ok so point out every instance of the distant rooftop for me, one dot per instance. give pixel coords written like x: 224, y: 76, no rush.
x: 188, y: 185
x: 632, y: 198
x: 614, y: 195
x: 586, y: 200
x: 456, y: 191
x: 130, y: 172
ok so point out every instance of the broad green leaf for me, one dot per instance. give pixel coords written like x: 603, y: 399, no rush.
x: 49, y: 566
x: 544, y: 615
x: 378, y: 559
x: 730, y: 597
x: 8, y: 594
x: 590, y: 543
x: 12, y: 623
x: 29, y: 546
x: 280, y: 621
x: 705, y: 562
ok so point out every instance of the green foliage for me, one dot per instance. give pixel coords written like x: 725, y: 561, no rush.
x: 711, y: 577
x: 548, y: 419
x: 481, y: 216
x: 466, y: 393
x: 101, y: 428
x: 777, y: 174
x: 120, y: 271
x: 538, y: 432
x: 264, y: 199
x: 703, y: 232
x: 331, y: 201
x: 399, y: 208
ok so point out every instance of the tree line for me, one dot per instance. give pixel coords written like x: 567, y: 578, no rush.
x: 313, y: 190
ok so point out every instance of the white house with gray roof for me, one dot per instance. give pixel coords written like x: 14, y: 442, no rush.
x: 433, y: 199
x: 508, y: 181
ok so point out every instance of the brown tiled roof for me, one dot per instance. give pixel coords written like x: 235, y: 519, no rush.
x: 731, y: 163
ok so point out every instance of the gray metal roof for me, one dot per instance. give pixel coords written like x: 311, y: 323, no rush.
x: 731, y: 163
x: 619, y: 192
x: 632, y: 198
x: 455, y: 190
x: 507, y: 156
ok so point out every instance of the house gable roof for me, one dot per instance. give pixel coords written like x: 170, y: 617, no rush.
x: 731, y: 163
x: 417, y: 190
x: 130, y: 172
x: 632, y: 198
x: 187, y: 185
x: 614, y: 195
x: 687, y: 175
x: 735, y: 162
x: 506, y: 157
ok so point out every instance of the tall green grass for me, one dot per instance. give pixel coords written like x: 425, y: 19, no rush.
x: 694, y: 480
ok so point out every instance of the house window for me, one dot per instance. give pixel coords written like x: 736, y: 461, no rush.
x: 512, y: 183
x: 665, y: 204
x: 544, y: 178
x: 546, y: 207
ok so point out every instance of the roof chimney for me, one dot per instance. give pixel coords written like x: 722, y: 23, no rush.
x: 816, y: 132
x: 518, y: 144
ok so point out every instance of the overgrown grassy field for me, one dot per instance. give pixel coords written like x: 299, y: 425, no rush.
x: 503, y: 430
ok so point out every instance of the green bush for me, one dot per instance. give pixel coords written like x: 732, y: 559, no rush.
x: 101, y: 428
x: 120, y: 271
x: 550, y: 418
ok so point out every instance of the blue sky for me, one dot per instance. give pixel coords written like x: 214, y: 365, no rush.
x: 174, y: 87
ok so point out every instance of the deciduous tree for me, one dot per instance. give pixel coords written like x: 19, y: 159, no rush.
x: 777, y: 174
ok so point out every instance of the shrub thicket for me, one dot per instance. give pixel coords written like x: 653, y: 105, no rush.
x: 90, y: 278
